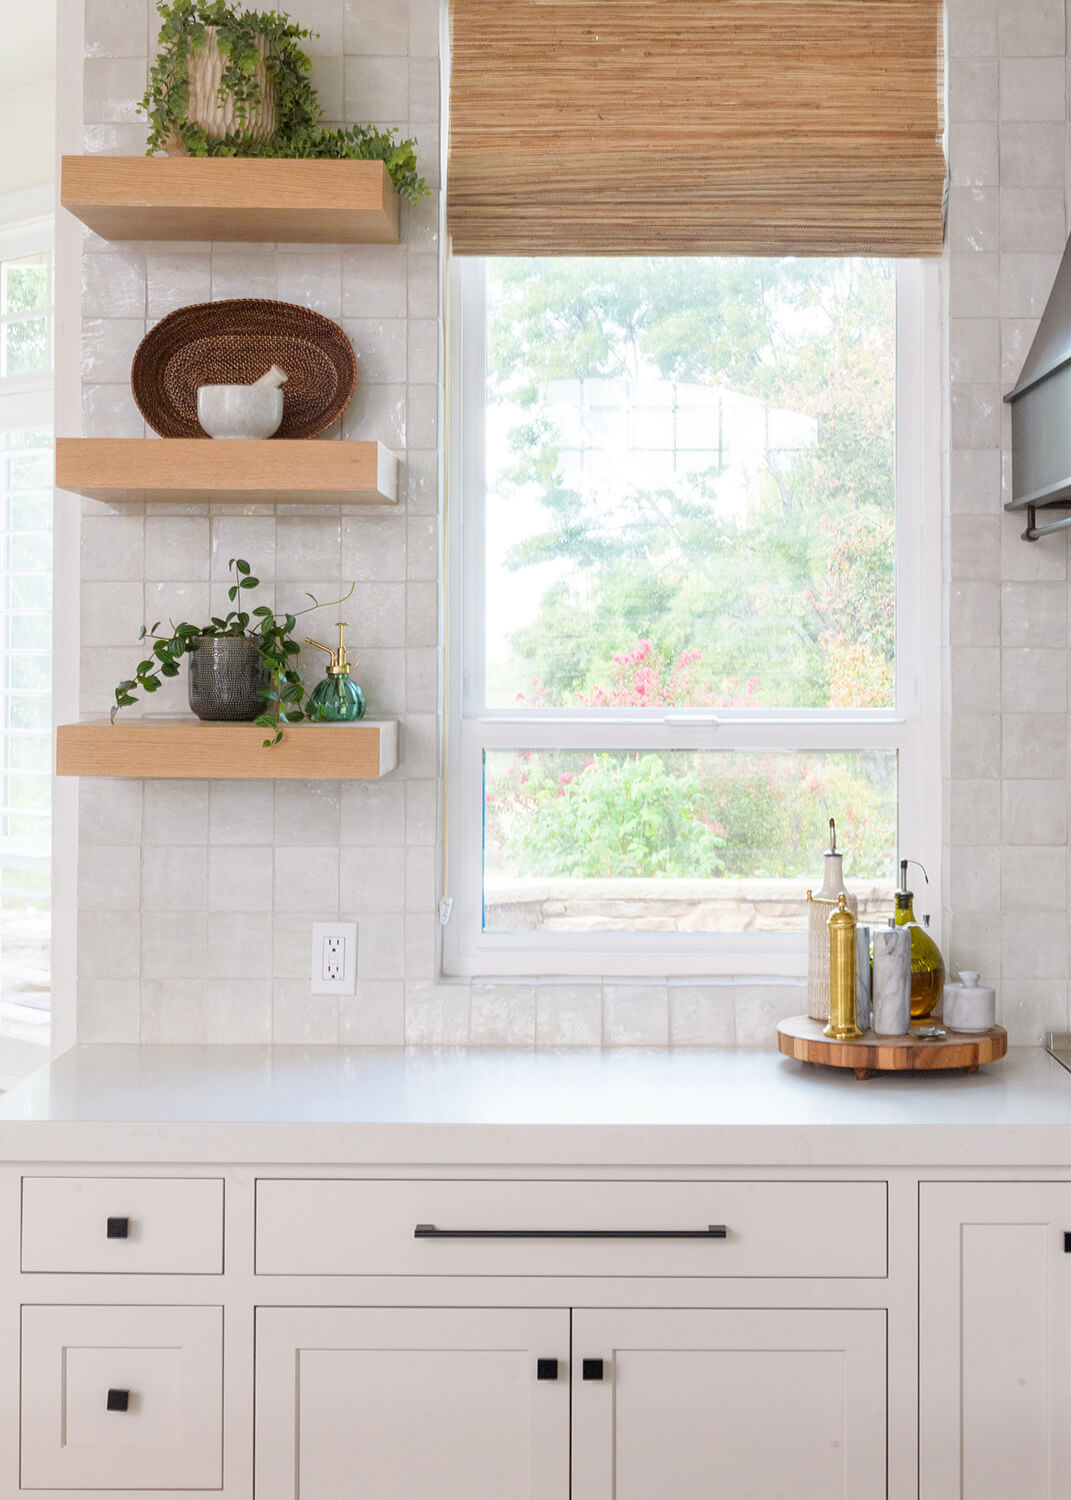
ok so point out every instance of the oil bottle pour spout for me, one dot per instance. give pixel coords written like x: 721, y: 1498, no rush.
x: 903, y: 891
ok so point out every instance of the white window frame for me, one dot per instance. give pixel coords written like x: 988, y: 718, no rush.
x: 27, y: 227
x: 912, y: 728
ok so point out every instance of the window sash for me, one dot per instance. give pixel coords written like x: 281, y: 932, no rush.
x: 16, y: 244
x: 911, y: 728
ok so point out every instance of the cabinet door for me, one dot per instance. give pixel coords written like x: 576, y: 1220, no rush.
x: 748, y: 1404
x: 994, y: 1343
x: 392, y: 1402
x: 122, y: 1398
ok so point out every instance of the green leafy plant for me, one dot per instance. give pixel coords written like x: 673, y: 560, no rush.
x: 246, y: 39
x: 725, y: 815
x: 273, y: 633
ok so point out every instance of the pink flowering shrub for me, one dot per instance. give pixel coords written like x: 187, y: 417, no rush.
x: 643, y: 678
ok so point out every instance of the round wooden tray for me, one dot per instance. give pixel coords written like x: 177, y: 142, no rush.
x: 805, y: 1040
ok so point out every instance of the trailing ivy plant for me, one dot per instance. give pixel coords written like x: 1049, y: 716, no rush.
x: 274, y: 635
x: 245, y: 39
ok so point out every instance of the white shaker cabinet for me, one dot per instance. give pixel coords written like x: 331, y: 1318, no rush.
x: 994, y: 1344
x: 752, y: 1404
x: 474, y: 1404
x: 396, y: 1402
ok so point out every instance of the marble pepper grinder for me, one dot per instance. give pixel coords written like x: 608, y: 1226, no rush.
x: 892, y: 981
x: 862, y: 976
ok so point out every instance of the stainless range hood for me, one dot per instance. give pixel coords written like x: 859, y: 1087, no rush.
x: 1041, y: 413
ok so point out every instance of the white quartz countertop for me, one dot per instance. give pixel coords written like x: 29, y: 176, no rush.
x: 393, y: 1106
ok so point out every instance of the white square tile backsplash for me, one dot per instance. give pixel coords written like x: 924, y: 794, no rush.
x: 1007, y: 854
x: 246, y: 867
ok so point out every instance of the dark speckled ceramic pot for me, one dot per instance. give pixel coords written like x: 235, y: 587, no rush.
x: 227, y: 679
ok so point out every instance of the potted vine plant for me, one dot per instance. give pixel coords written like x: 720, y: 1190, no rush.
x: 243, y: 665
x: 229, y: 82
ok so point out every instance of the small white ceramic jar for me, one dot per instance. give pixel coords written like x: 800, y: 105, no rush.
x: 239, y: 411
x: 970, y: 1006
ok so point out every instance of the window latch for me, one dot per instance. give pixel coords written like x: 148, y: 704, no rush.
x: 686, y: 720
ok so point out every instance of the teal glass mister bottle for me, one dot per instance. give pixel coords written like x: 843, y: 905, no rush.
x: 337, y: 699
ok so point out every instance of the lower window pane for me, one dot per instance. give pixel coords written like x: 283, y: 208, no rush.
x: 25, y: 347
x: 682, y: 840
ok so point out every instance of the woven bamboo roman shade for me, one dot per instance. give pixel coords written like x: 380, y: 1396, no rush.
x: 742, y: 127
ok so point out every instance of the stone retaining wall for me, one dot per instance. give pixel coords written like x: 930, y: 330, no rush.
x: 542, y: 904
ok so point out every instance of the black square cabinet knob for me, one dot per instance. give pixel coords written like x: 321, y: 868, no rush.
x: 546, y: 1369
x: 118, y: 1229
x: 1067, y: 1242
x: 591, y: 1369
x: 118, y: 1400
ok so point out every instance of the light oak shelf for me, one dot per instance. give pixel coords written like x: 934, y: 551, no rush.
x: 185, y: 749
x: 232, y: 198
x: 230, y: 470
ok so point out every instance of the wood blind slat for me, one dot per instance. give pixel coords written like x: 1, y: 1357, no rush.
x: 745, y: 127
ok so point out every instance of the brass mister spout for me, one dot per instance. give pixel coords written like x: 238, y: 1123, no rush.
x: 340, y: 663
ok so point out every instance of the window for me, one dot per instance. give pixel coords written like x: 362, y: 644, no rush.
x: 687, y: 621
x: 26, y: 317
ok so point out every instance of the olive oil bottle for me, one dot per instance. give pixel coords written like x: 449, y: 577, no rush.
x: 927, y: 965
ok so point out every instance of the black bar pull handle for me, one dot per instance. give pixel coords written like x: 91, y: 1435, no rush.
x: 118, y: 1229
x: 1067, y: 1242
x: 431, y: 1232
x: 118, y: 1400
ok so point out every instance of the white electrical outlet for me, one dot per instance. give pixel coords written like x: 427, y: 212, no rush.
x: 334, y: 958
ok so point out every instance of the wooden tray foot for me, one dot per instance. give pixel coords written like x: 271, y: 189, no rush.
x: 862, y: 1073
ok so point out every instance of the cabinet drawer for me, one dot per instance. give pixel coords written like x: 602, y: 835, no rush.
x: 130, y: 1224
x: 122, y: 1398
x: 369, y: 1228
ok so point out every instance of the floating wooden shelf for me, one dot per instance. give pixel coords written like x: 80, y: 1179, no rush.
x: 230, y: 470
x: 806, y: 1041
x: 188, y: 749
x: 232, y: 198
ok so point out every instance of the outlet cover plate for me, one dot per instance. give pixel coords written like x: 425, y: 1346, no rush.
x: 334, y: 952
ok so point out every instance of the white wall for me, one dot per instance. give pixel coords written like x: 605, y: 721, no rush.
x: 28, y: 134
x: 196, y: 899
x: 1007, y: 733
x: 27, y: 94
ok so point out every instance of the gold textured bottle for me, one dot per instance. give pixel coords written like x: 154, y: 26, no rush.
x: 820, y: 905
x: 927, y: 965
x: 843, y: 1025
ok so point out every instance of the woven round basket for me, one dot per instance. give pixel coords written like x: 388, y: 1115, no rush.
x: 234, y: 343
